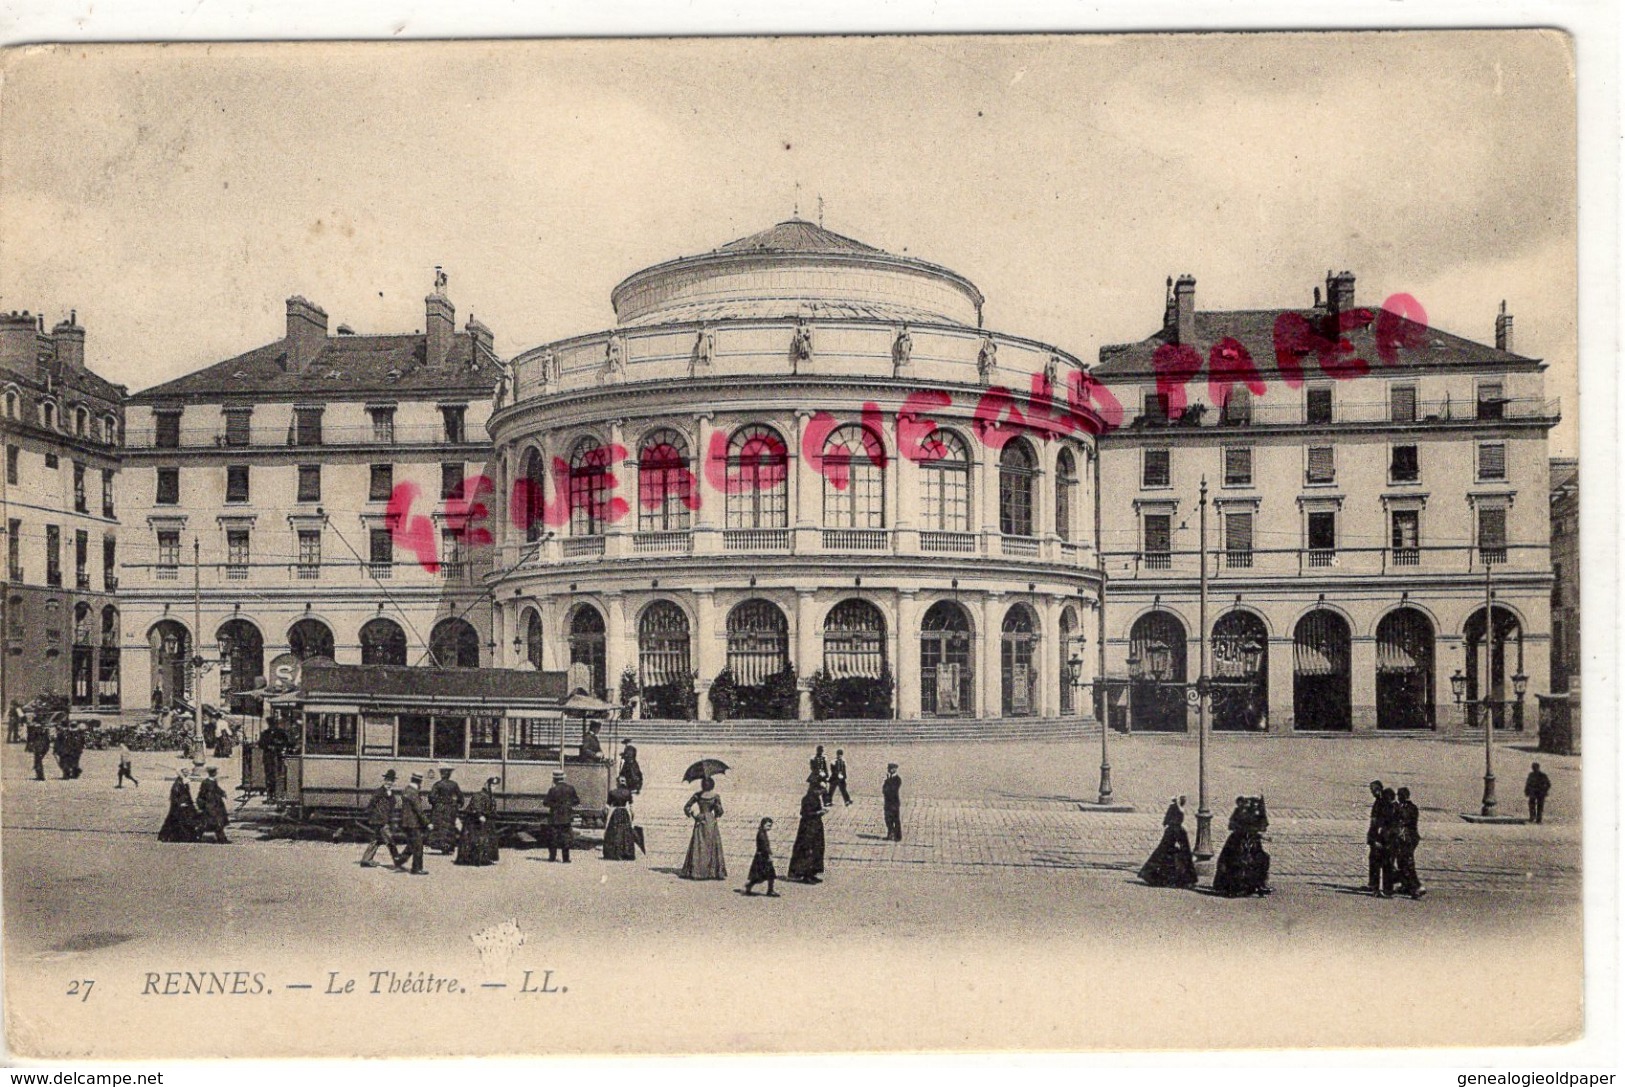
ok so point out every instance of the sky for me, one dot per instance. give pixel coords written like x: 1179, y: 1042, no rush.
x: 175, y: 196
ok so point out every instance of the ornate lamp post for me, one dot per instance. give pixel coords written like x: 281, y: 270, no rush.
x: 1520, y: 686
x: 1203, y: 847
x: 1075, y: 673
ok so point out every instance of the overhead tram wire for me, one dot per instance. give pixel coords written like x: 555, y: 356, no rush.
x: 528, y: 551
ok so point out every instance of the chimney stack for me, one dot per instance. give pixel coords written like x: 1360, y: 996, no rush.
x: 68, y: 343
x: 480, y: 338
x: 439, y: 322
x: 1185, y: 309
x: 19, y: 342
x: 1339, y: 293
x: 307, y: 333
x: 1503, y: 329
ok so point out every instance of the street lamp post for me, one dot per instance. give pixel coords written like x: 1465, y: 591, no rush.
x: 1075, y: 672
x: 1203, y: 849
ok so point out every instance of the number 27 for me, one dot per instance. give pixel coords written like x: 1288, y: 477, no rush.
x: 81, y: 989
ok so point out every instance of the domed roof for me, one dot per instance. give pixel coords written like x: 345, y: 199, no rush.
x: 796, y: 269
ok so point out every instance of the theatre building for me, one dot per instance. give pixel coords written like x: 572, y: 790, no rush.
x: 773, y: 489
x: 303, y: 500
x: 1370, y: 483
x: 62, y: 424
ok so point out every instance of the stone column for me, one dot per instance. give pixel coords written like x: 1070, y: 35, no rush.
x: 989, y: 657
x: 1050, y: 657
x: 713, y: 503
x: 807, y: 657
x: 614, y: 643
x: 986, y: 471
x: 906, y: 656
x: 806, y: 492
x: 1363, y: 683
x: 617, y: 534
x: 706, y: 646
x: 1280, y: 684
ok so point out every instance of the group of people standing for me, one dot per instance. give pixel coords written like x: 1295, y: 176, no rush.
x: 1243, y: 867
x: 189, y: 821
x: 1391, y: 838
x: 57, y: 736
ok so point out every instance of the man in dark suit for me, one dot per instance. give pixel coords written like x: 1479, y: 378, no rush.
x: 1535, y: 787
x: 380, y: 809
x: 837, y: 780
x: 820, y: 769
x: 891, y: 793
x: 561, y: 802
x: 414, y: 822
x: 1408, y: 833
x: 39, y: 745
x: 1377, y: 860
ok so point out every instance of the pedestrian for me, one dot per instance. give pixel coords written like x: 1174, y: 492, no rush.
x: 157, y: 700
x: 1377, y: 861
x: 1407, y: 833
x: 39, y: 745
x: 761, y: 865
x: 181, y: 823
x: 819, y: 767
x: 891, y: 792
x: 224, y: 740
x: 1171, y: 863
x: 211, y: 802
x: 1388, y: 836
x: 124, y: 767
x: 14, y: 723
x: 561, y: 801
x: 380, y: 810
x: 630, y: 770
x: 414, y: 822
x: 590, y: 747
x: 274, y: 745
x: 837, y: 779
x: 59, y: 745
x: 704, y: 859
x: 1535, y: 787
x: 445, y: 798
x: 478, y: 844
x: 807, y: 856
x: 620, y: 836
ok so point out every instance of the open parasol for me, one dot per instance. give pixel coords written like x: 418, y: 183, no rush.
x: 705, y: 768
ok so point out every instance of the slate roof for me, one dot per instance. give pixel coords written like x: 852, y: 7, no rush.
x: 346, y: 365
x: 1255, y: 329
x: 796, y: 236
x: 394, y: 681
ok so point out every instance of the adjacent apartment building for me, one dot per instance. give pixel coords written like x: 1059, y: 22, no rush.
x: 63, y: 425
x: 308, y: 499
x: 1369, y: 482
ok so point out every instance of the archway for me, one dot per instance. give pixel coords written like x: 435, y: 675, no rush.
x: 1018, y: 662
x: 857, y: 676
x: 1018, y: 476
x: 171, y: 646
x: 758, y: 652
x: 1506, y: 661
x: 108, y: 694
x: 1069, y: 644
x: 1405, y: 695
x: 533, y: 639
x: 947, y: 680
x: 455, y: 644
x: 84, y: 656
x: 383, y: 642
x: 664, y: 674
x: 587, y: 661
x: 1157, y: 673
x: 242, y: 653
x: 1320, y: 673
x: 310, y: 638
x: 1241, y: 663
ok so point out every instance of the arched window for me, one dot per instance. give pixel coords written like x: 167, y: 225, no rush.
x: 1320, y: 673
x: 1240, y: 648
x: 82, y: 633
x: 108, y: 694
x: 588, y: 667
x: 383, y: 642
x: 1070, y: 644
x: 532, y: 470
x: 12, y: 401
x: 1405, y: 695
x: 758, y: 642
x: 758, y: 475
x: 533, y: 639
x: 310, y: 638
x: 947, y: 681
x: 81, y: 422
x: 591, y: 488
x: 47, y: 414
x: 83, y: 672
x: 110, y: 639
x: 455, y: 644
x: 242, y: 653
x: 666, y: 494
x: 1018, y: 670
x: 1018, y: 472
x: 945, y: 482
x: 855, y: 640
x: 171, y: 646
x: 1066, y: 487
x: 1156, y: 666
x: 854, y: 479
x: 1506, y: 661
x: 110, y: 429
x: 662, y: 645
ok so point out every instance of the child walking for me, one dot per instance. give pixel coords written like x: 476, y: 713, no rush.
x: 761, y: 865
x: 124, y: 766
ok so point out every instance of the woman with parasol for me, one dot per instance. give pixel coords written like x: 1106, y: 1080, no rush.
x: 807, y: 858
x: 704, y: 859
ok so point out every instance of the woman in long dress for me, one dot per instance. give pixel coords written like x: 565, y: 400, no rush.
x: 182, y: 824
x: 630, y: 770
x: 807, y: 858
x: 704, y: 860
x: 620, y: 841
x: 478, y: 843
x: 1243, y: 866
x: 1171, y: 864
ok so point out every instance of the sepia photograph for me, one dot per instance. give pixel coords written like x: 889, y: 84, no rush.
x: 760, y: 545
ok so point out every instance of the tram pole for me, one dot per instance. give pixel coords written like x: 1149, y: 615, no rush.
x: 1103, y: 708
x: 197, y: 655
x: 1488, y: 808
x: 1203, y: 849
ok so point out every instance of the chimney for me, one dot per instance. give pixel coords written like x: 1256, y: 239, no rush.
x: 439, y: 322
x: 68, y: 343
x: 1168, y: 305
x: 1185, y: 309
x: 1503, y: 329
x: 19, y: 342
x: 1339, y: 293
x: 481, y: 338
x: 307, y: 333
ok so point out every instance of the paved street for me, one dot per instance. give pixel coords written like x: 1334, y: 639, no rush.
x: 1006, y: 917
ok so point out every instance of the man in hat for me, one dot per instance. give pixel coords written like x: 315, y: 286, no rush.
x: 14, y: 723
x: 211, y: 804
x: 379, y: 811
x: 414, y: 821
x: 630, y: 770
x: 819, y: 767
x: 445, y: 800
x: 1379, y: 865
x: 837, y: 779
x: 561, y: 802
x: 274, y: 746
x: 39, y: 745
x: 1535, y: 788
x: 590, y: 747
x: 891, y: 792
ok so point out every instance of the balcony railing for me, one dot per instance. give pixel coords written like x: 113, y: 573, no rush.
x: 854, y: 539
x: 1321, y: 556
x: 380, y: 570
x: 1292, y: 413
x: 236, y: 572
x: 1238, y: 560
x: 955, y: 543
x: 1406, y: 556
x: 756, y: 539
x: 1333, y: 562
x: 663, y: 543
x: 166, y: 573
x: 1018, y: 546
x: 306, y: 571
x: 576, y: 547
x: 268, y: 436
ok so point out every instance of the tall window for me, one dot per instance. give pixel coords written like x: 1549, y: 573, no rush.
x: 109, y: 563
x: 236, y: 483
x: 12, y: 456
x: 14, y: 549
x: 590, y: 488
x: 758, y: 478
x: 1157, y: 529
x: 853, y: 455
x: 11, y: 404
x: 945, y: 480
x: 1154, y: 468
x: 1492, y: 534
x: 662, y: 645
x: 110, y: 429
x: 81, y: 560
x: 383, y: 425
x: 665, y: 484
x: 237, y: 554
x: 1322, y: 464
x: 310, y: 483
x: 451, y: 417
x: 1492, y: 460
x: 1238, y: 539
x: 1018, y: 672
x: 758, y: 642
x: 1322, y: 534
x: 588, y: 665
x: 855, y: 640
x: 107, y: 492
x: 451, y: 480
x: 310, y: 554
x: 237, y: 426
x: 1066, y: 487
x: 53, y: 555
x: 1238, y: 466
x: 1317, y: 402
x: 169, y: 555
x: 1403, y: 465
x: 1018, y: 471
x: 81, y: 503
x: 1402, y: 403
x: 1238, y: 408
x: 1405, y: 537
x: 452, y: 556
x: 380, y: 553
x: 307, y: 426
x: 381, y: 483
x: 47, y: 414
x: 1491, y: 400
x: 169, y: 487
x: 167, y: 434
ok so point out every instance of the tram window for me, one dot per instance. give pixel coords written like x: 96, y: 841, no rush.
x: 485, y: 737
x: 330, y: 733
x: 448, y: 738
x: 378, y: 735
x: 413, y: 740
x: 535, y: 738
